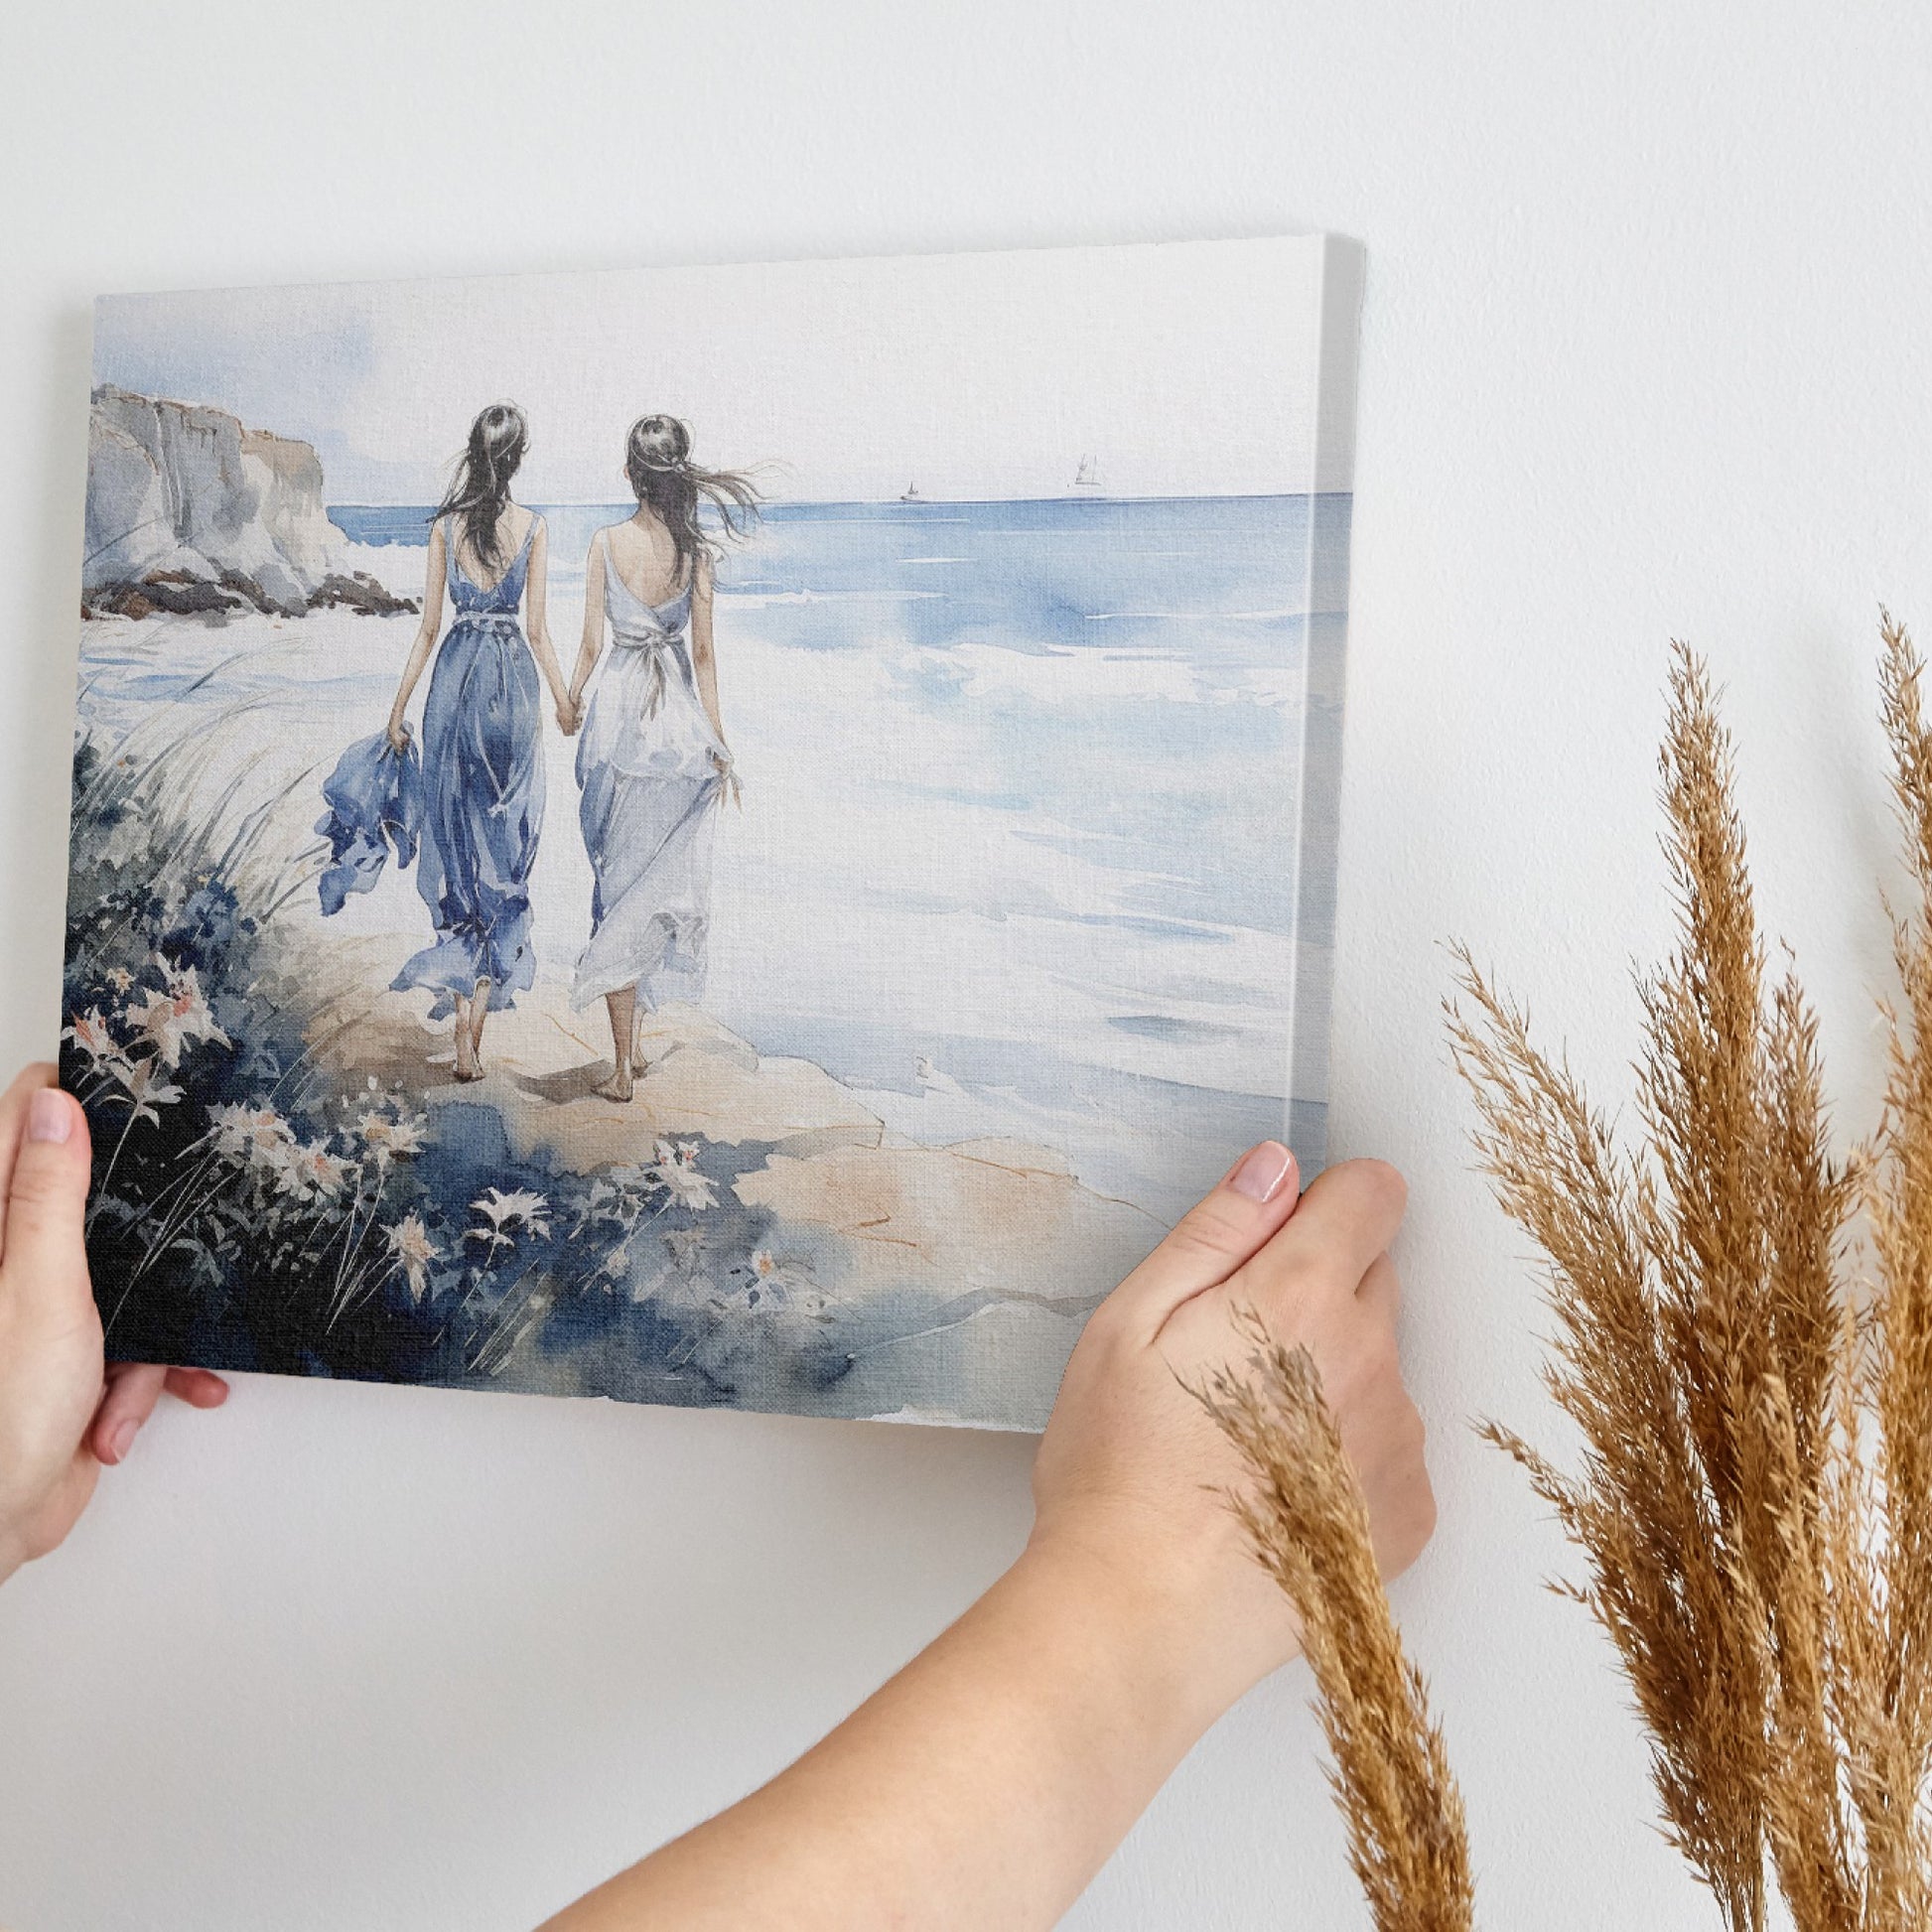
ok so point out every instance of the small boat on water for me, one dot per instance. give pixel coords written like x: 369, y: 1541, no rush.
x: 910, y: 495
x: 1086, y: 479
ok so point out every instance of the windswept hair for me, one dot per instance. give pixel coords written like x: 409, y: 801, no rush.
x: 481, y: 486
x: 657, y: 460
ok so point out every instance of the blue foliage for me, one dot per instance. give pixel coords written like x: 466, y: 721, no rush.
x: 254, y: 1213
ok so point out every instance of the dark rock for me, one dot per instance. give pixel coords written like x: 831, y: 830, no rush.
x: 189, y: 598
x: 183, y: 594
x: 115, y: 600
x: 361, y: 594
x: 245, y: 586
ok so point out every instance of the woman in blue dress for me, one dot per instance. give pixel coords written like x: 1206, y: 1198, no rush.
x: 652, y: 765
x: 482, y: 736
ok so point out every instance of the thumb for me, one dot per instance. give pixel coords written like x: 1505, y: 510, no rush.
x: 45, y: 1254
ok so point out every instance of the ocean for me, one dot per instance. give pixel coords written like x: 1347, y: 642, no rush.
x: 1020, y: 845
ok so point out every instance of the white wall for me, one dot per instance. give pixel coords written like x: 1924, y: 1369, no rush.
x: 1644, y: 354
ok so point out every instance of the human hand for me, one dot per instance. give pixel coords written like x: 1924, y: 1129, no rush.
x: 398, y: 735
x: 570, y: 716
x: 1131, y: 1474
x: 64, y: 1413
x: 726, y: 768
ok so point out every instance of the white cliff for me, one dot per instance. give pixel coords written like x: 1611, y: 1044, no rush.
x: 189, y: 508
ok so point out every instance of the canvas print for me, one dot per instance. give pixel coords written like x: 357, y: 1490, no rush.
x: 735, y: 836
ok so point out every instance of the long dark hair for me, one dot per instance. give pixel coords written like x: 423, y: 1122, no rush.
x: 481, y: 487
x: 657, y: 460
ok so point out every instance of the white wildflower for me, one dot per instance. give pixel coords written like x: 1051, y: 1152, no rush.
x: 409, y: 1242
x: 519, y: 1211
x: 144, y: 1092
x: 252, y: 1136
x: 677, y: 1173
x: 688, y: 1188
x: 172, y: 1017
x: 308, y: 1172
x: 92, y: 1033
x: 393, y: 1139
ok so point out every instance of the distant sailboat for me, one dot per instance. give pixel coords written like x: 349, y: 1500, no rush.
x: 912, y: 495
x: 1086, y: 478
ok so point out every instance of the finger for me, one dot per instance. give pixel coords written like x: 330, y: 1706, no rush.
x: 1380, y: 1292
x: 132, y: 1391
x: 200, y: 1388
x: 1347, y: 1217
x: 12, y: 1125
x: 1212, y: 1239
x: 45, y: 1254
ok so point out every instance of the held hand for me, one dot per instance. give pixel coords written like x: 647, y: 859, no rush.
x: 1131, y: 1471
x: 62, y: 1412
x: 569, y: 714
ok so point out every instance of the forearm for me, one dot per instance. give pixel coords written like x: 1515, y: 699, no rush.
x: 984, y: 1785
x: 411, y: 672
x: 553, y: 675
x: 707, y: 671
x: 580, y: 675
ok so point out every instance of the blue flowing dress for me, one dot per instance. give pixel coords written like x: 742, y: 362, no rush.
x: 483, y: 792
x: 648, y: 766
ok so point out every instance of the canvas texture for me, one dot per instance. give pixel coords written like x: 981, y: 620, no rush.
x: 925, y: 894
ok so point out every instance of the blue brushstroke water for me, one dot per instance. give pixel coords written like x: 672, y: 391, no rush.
x: 1023, y: 790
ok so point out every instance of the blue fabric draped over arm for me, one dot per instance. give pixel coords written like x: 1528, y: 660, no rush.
x: 374, y: 797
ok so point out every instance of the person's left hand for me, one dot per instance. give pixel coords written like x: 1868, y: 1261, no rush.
x: 64, y: 1411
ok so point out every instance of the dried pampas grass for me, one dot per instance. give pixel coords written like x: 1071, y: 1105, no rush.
x: 1755, y: 1495
x: 1754, y: 1390
x: 1309, y: 1525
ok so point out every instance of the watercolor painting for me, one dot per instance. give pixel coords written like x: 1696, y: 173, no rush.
x: 741, y: 836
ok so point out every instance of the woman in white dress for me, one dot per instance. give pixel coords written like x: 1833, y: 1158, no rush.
x: 652, y: 765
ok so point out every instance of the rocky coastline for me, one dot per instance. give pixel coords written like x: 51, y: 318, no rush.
x: 193, y: 513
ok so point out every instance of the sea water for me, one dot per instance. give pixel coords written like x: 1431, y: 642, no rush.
x: 1023, y: 783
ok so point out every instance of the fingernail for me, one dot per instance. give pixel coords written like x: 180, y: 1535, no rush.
x: 49, y: 1116
x: 122, y: 1438
x: 1263, y: 1170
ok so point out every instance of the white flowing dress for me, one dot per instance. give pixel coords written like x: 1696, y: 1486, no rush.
x: 647, y: 770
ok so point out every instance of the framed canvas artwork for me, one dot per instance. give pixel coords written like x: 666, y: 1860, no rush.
x: 741, y: 836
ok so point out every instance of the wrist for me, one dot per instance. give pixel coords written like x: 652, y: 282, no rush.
x: 1183, y: 1598
x: 1145, y: 1626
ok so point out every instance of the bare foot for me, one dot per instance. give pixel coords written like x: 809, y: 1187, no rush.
x: 619, y: 1087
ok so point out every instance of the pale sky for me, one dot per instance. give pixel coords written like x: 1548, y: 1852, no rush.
x: 1182, y: 368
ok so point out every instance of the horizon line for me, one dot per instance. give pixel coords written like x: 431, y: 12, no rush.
x: 902, y: 503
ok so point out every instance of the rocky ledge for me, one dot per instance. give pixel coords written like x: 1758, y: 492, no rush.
x: 191, y: 512
x: 179, y: 595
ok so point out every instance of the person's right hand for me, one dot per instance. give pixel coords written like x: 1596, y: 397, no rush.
x: 398, y: 736
x: 1131, y: 1472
